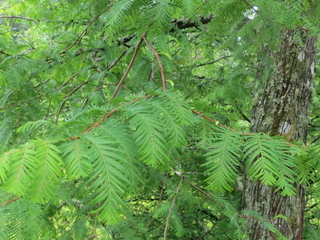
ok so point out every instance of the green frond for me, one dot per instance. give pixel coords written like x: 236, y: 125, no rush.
x: 223, y: 160
x: 173, y: 131
x: 21, y: 220
x: 110, y: 179
x: 159, y: 15
x: 128, y: 148
x: 177, y: 107
x: 47, y: 173
x: 149, y: 133
x: 308, y: 165
x: 32, y: 126
x: 205, y: 133
x: 162, y: 210
x: 22, y: 165
x: 117, y: 15
x: 4, y: 164
x: 77, y: 161
x: 270, y: 161
x: 175, y: 222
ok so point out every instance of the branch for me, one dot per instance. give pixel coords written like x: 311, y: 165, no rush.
x: 163, y: 78
x: 16, y: 104
x: 205, y: 193
x: 17, y: 17
x: 208, y: 63
x: 117, y: 60
x: 107, y: 115
x: 160, y: 197
x: 170, y: 210
x: 129, y: 67
x: 189, y: 23
x: 207, y: 232
x: 78, y: 40
x: 7, y: 202
x: 66, y: 97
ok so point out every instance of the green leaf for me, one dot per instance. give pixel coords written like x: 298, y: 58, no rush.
x: 223, y: 160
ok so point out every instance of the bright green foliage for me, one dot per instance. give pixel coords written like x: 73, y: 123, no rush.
x: 270, y: 162
x: 163, y: 157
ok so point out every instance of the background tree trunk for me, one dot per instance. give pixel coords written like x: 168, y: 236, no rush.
x: 282, y: 109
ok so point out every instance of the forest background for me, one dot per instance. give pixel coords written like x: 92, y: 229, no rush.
x: 159, y: 119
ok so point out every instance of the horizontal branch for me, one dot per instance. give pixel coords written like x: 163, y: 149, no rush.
x: 183, y: 23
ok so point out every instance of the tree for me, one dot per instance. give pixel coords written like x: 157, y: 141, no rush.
x: 134, y: 119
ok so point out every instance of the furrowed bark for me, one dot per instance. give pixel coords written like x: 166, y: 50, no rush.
x: 282, y: 109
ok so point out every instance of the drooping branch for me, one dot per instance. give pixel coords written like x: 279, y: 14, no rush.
x: 183, y: 23
x: 129, y: 66
x: 170, y: 210
x: 163, y: 78
x: 65, y: 99
x: 82, y: 34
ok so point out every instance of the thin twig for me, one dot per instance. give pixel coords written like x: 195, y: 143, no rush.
x: 16, y: 104
x: 17, y: 17
x: 207, y: 232
x: 107, y: 115
x: 205, y: 193
x: 170, y: 210
x: 66, y: 98
x: 212, y: 62
x: 78, y: 40
x: 163, y: 78
x: 117, y: 60
x: 129, y: 67
x: 160, y: 197
x: 7, y: 202
x: 70, y: 78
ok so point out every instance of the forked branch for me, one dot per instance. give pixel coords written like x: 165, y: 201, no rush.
x: 163, y: 78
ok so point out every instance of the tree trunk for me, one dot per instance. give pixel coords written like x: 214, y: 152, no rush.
x: 282, y: 109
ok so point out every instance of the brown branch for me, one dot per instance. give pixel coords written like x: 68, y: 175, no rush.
x: 66, y: 98
x: 201, y: 190
x: 209, y: 63
x: 17, y: 17
x: 189, y: 23
x: 16, y: 104
x: 10, y: 201
x: 249, y: 4
x: 160, y: 197
x: 129, y: 67
x: 117, y: 60
x: 170, y: 210
x: 82, y: 34
x: 70, y: 78
x: 107, y: 115
x: 163, y: 78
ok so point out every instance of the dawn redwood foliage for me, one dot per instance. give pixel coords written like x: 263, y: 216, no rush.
x: 164, y: 119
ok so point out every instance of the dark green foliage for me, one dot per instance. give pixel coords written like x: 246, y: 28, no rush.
x: 148, y: 163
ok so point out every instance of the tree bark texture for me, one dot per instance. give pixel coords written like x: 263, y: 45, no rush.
x: 282, y: 109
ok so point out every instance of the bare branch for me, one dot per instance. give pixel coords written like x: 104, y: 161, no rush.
x: 163, y: 78
x: 129, y: 67
x: 82, y: 34
x: 170, y: 210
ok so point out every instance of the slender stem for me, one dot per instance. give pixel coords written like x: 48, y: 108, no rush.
x: 66, y: 98
x: 128, y: 68
x: 163, y: 78
x: 86, y: 28
x: 170, y: 210
x: 100, y: 121
x: 7, y: 202
x: 160, y: 197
